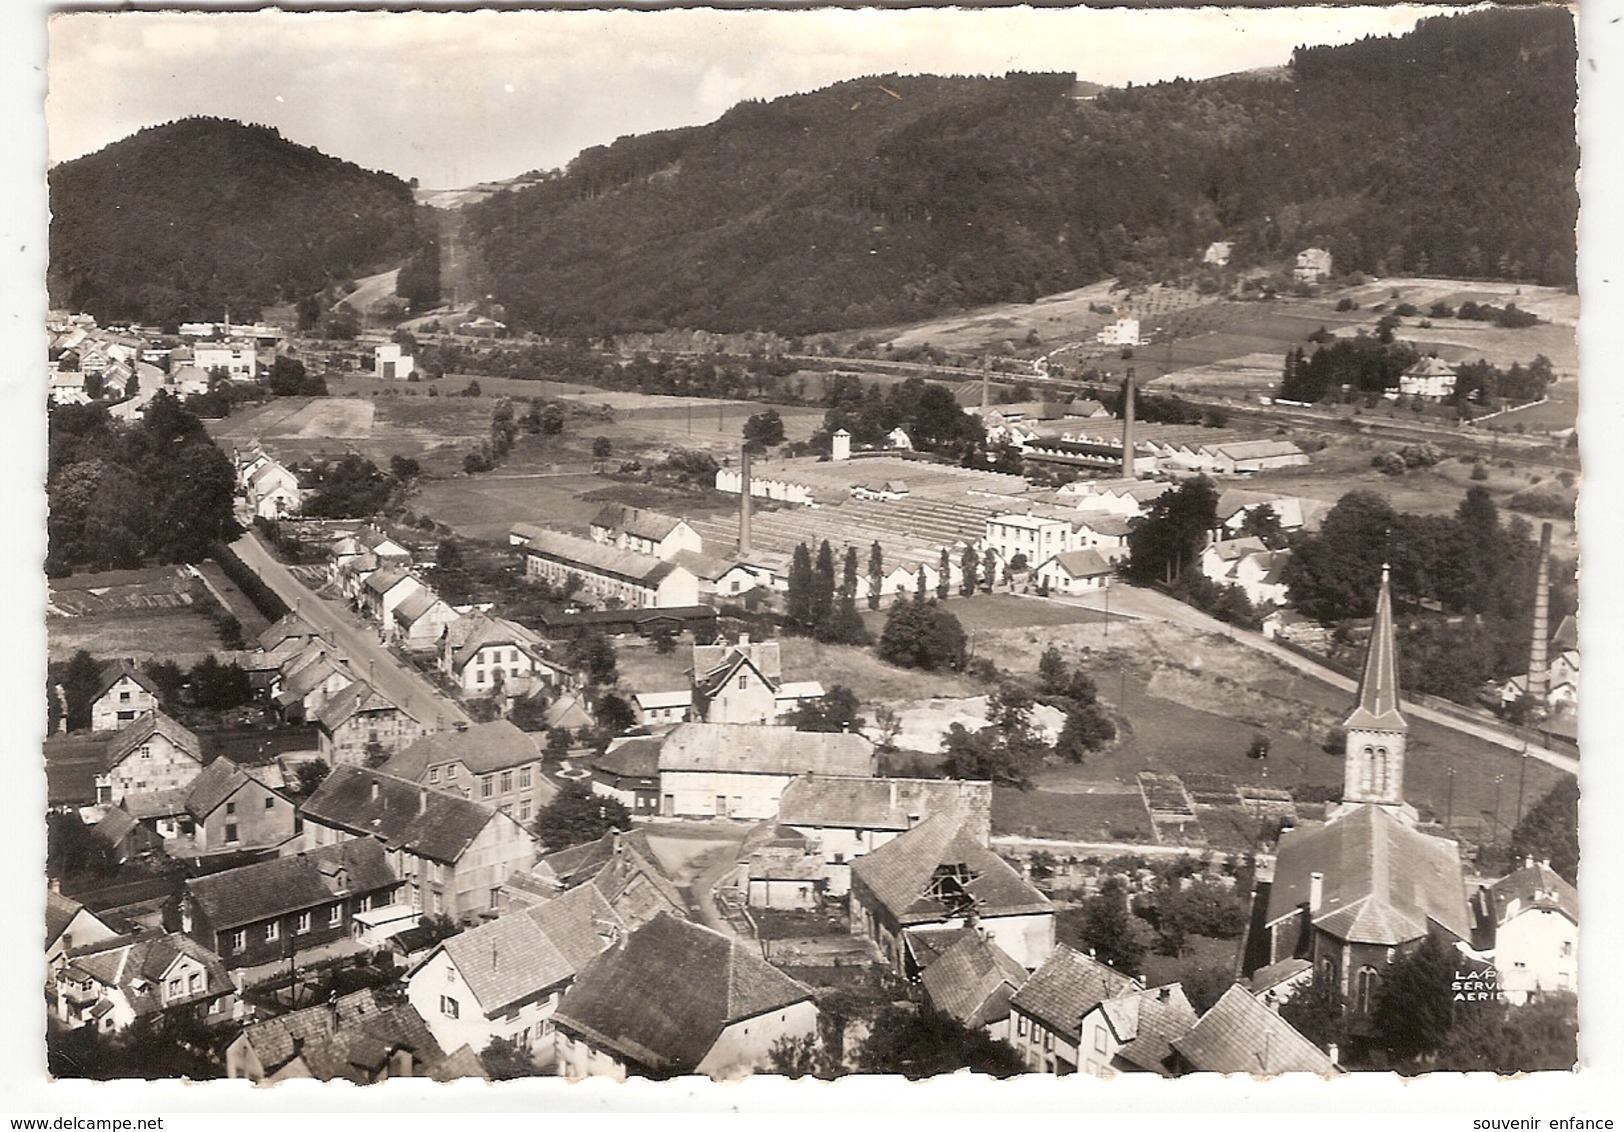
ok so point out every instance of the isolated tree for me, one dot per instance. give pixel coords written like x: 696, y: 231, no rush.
x: 922, y: 635
x: 601, y: 448
x: 836, y: 711
x: 800, y: 588
x: 311, y: 774
x: 989, y: 570
x: 876, y: 574
x: 763, y: 430
x: 944, y: 570
x: 823, y: 587
x: 81, y: 680
x: 1319, y: 1013
x: 577, y: 815
x: 1052, y: 672
x: 1263, y: 522
x: 968, y: 568
x: 593, y: 656
x: 614, y: 714
x: 1550, y: 830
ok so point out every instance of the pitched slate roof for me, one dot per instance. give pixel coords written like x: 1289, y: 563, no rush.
x: 1377, y: 706
x: 291, y: 884
x: 900, y: 874
x: 1147, y: 1023
x: 151, y: 804
x: 883, y: 803
x: 473, y: 631
x: 507, y: 961
x: 714, y: 663
x: 643, y: 569
x: 1383, y: 881
x: 1266, y: 978
x: 220, y: 780
x: 137, y: 965
x: 636, y: 756
x: 482, y: 748
x: 620, y: 866
x: 1104, y: 523
x: 1082, y: 563
x: 706, y: 567
x: 1068, y: 986
x: 635, y: 521
x: 115, y: 825
x: 383, y: 580
x: 750, y: 748
x: 412, y: 608
x: 351, y: 1039
x: 59, y: 913
x: 1566, y: 635
x: 1241, y: 1035
x: 344, y: 705
x: 404, y: 815
x: 972, y: 982
x: 113, y: 671
x: 151, y: 723
x: 661, y: 999
x: 1535, y: 885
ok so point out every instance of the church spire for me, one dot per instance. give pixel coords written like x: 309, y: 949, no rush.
x: 1377, y: 707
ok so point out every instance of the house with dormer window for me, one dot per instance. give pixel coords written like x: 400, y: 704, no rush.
x: 109, y: 984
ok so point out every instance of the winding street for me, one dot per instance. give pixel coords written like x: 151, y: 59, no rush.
x: 356, y: 639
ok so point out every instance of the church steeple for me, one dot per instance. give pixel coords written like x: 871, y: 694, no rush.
x: 1373, y: 770
x: 1377, y: 707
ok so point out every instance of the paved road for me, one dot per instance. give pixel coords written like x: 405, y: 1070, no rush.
x: 358, y: 640
x: 1147, y: 604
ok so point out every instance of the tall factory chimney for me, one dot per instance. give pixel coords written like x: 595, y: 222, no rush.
x: 1128, y: 472
x: 1539, y: 672
x: 744, y: 503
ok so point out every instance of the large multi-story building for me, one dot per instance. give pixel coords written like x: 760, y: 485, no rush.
x: 606, y: 574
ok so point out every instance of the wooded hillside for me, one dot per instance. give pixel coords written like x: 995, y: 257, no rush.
x: 186, y: 219
x: 1447, y: 151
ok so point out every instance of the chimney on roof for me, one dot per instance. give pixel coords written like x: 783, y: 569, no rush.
x: 1316, y: 891
x: 744, y: 640
x: 893, y: 785
x: 422, y: 799
x: 376, y: 789
x: 1334, y: 1053
x: 1165, y: 994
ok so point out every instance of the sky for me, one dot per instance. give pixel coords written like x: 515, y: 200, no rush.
x: 457, y: 98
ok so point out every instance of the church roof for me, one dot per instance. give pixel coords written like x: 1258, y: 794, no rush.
x: 1383, y: 882
x: 1377, y: 708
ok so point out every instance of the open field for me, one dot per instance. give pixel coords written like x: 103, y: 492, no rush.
x: 486, y: 506
x: 1101, y: 816
x: 162, y: 613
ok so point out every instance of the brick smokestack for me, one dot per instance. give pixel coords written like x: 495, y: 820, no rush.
x: 1127, y: 428
x: 1539, y: 672
x: 744, y: 503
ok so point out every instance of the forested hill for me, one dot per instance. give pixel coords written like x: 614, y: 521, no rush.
x: 188, y: 218
x: 1450, y: 150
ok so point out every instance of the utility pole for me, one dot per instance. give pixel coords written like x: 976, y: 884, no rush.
x: 1449, y: 802
x: 1522, y: 775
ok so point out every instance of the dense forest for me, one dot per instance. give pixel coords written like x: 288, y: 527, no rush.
x: 189, y: 218
x: 127, y: 495
x: 1450, y: 151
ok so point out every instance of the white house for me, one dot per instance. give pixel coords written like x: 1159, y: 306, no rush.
x: 1075, y: 572
x: 1535, y: 914
x: 123, y: 694
x: 1122, y: 332
x: 1036, y: 538
x: 1430, y: 379
x: 1313, y: 265
x: 480, y: 652
x: 273, y: 491
x: 740, y: 770
x: 1046, y: 1014
x: 110, y: 983
x: 391, y: 363
x: 504, y: 978
x: 644, y: 532
x: 238, y: 361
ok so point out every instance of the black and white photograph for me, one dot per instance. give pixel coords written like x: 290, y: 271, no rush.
x: 810, y: 543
